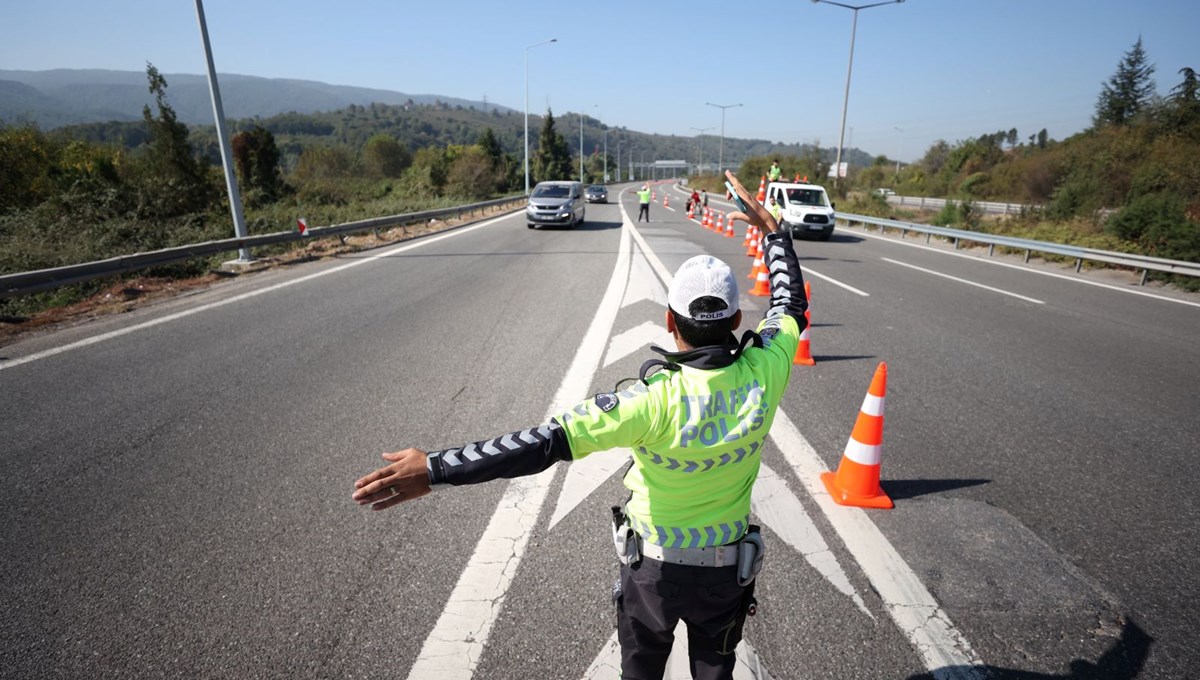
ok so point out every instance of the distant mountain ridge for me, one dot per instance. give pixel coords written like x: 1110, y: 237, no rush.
x: 62, y: 97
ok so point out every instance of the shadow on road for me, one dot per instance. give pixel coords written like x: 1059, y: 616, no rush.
x: 1123, y: 661
x: 589, y: 225
x: 841, y: 357
x: 911, y: 488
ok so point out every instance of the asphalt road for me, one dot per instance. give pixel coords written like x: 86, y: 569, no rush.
x: 176, y: 480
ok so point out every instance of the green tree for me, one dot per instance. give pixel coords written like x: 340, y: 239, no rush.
x: 1189, y: 89
x: 256, y: 158
x: 173, y: 182
x: 1128, y: 91
x: 25, y: 166
x: 473, y: 174
x: 553, y: 158
x: 385, y: 156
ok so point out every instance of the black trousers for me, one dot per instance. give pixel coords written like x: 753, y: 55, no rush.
x: 644, y: 210
x: 655, y: 596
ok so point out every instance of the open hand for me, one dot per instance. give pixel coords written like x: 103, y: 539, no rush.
x: 405, y: 479
x: 758, y: 215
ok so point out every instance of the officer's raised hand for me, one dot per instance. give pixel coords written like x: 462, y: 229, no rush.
x: 758, y: 216
x: 405, y: 479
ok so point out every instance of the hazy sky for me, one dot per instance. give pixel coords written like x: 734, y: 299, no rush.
x: 923, y: 70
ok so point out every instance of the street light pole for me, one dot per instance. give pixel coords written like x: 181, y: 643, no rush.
x: 721, y: 153
x: 849, y: 69
x: 527, y: 48
x: 235, y: 198
x: 604, y: 132
x: 700, y: 140
x: 619, y: 141
x: 581, y: 147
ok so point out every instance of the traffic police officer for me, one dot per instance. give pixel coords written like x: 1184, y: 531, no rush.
x: 774, y: 208
x: 696, y: 428
x: 775, y: 173
x: 644, y: 202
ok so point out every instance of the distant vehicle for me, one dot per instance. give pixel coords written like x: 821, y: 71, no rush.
x: 597, y: 193
x: 807, y: 210
x: 555, y: 203
x: 884, y: 192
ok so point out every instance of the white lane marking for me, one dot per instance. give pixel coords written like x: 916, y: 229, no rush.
x: 244, y: 296
x: 643, y: 284
x: 959, y: 280
x: 778, y: 508
x: 454, y: 646
x: 809, y: 270
x: 635, y: 340
x: 583, y: 477
x: 946, y: 653
x: 1028, y: 270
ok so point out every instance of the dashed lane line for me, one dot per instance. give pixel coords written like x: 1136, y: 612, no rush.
x: 960, y: 280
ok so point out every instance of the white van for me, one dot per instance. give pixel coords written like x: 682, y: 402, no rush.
x: 807, y: 210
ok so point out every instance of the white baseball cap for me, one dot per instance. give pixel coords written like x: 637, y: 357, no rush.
x: 703, y: 276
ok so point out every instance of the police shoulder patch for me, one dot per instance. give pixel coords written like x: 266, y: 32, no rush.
x: 607, y: 401
x: 769, y: 333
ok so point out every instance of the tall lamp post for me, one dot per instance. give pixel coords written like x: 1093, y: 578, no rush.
x: 619, y: 141
x: 527, y: 48
x: 581, y: 147
x: 721, y: 153
x: 604, y: 131
x: 700, y: 140
x: 235, y: 198
x: 849, y: 68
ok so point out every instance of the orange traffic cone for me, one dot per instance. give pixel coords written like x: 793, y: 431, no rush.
x: 808, y: 295
x: 760, y: 264
x: 856, y: 481
x: 762, y: 285
x: 729, y: 230
x: 665, y: 197
x: 752, y: 240
x: 690, y: 212
x: 762, y: 189
x: 704, y: 220
x: 749, y: 236
x: 804, y: 355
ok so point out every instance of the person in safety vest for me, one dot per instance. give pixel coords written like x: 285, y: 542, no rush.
x: 696, y: 423
x: 775, y: 172
x: 644, y: 202
x: 774, y: 208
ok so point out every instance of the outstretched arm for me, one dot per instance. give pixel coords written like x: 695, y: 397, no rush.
x: 413, y: 472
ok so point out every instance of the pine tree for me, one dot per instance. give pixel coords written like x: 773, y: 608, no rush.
x: 1128, y: 91
x: 553, y: 159
x: 177, y: 180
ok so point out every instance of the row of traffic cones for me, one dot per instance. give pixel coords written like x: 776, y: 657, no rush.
x: 856, y: 481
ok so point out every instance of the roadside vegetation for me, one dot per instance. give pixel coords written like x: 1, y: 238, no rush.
x: 1129, y: 183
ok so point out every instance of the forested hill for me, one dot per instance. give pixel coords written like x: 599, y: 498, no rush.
x: 61, y: 97
x: 94, y: 104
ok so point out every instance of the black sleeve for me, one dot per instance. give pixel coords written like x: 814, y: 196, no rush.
x: 787, y: 281
x: 526, y: 452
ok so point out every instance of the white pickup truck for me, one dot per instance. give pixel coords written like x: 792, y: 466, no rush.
x: 807, y: 210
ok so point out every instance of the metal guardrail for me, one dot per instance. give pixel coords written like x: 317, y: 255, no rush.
x: 1143, y: 262
x: 990, y: 207
x: 26, y: 283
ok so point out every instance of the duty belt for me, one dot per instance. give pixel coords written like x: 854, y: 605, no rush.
x: 713, y: 556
